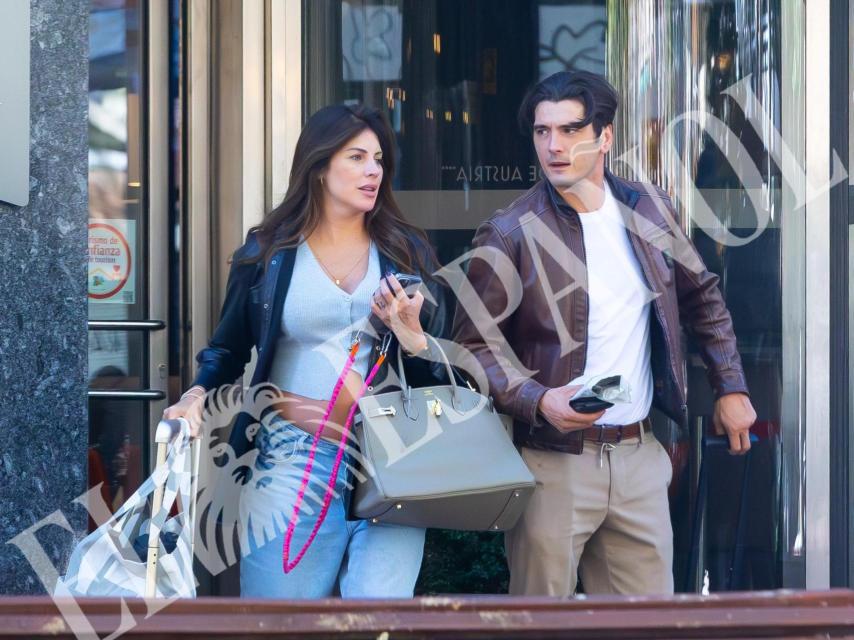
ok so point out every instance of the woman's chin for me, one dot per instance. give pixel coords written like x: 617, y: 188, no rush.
x: 365, y: 204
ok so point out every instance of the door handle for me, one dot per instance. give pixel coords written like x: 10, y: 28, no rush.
x: 121, y: 394
x: 126, y: 325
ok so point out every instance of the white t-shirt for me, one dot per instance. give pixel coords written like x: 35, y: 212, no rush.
x: 618, y: 326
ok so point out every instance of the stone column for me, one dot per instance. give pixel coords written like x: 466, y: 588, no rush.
x: 43, y: 303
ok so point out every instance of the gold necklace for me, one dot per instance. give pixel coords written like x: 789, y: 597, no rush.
x: 337, y: 281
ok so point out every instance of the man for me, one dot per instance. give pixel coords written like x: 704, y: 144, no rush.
x: 602, y: 282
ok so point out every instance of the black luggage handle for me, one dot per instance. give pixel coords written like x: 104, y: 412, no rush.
x: 734, y: 574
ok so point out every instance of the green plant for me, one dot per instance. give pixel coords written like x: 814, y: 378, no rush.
x: 463, y: 562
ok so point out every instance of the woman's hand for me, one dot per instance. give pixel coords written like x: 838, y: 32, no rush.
x: 190, y: 408
x: 400, y: 313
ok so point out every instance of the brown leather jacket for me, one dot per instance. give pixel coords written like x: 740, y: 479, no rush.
x: 530, y: 334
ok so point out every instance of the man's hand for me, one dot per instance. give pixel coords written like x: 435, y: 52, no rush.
x: 734, y: 415
x: 554, y: 407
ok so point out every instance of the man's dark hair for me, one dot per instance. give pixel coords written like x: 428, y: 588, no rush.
x: 599, y: 97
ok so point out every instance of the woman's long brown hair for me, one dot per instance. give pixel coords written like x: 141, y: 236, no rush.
x: 299, y: 213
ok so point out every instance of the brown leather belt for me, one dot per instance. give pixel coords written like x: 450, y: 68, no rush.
x: 614, y: 433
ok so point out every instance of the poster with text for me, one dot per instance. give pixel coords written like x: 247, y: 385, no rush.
x: 111, y: 261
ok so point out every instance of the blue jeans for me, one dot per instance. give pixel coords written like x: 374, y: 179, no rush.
x: 353, y: 559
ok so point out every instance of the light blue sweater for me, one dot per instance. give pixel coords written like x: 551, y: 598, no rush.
x: 319, y: 321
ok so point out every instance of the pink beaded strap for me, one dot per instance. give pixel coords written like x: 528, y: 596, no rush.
x: 287, y: 565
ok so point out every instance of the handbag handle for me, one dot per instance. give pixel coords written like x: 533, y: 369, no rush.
x: 444, y: 357
x: 176, y: 441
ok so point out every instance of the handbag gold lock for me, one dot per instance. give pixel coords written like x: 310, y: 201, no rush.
x: 435, y: 407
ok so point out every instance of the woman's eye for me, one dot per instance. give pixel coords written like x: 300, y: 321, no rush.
x: 356, y: 157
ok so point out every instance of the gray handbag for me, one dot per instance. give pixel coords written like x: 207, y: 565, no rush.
x: 438, y: 457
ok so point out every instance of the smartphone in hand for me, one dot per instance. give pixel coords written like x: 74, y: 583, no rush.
x: 408, y: 281
x: 589, y: 404
x: 592, y: 400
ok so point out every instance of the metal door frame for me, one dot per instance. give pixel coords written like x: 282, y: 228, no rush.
x: 157, y: 168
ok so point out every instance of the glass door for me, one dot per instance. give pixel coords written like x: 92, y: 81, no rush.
x: 129, y: 240
x: 713, y: 103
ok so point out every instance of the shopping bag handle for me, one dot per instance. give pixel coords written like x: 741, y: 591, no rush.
x: 168, y: 430
x: 173, y: 432
x: 156, y: 482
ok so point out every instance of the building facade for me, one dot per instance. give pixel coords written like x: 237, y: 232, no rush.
x: 739, y: 108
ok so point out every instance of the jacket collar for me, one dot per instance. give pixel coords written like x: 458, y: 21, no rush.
x: 386, y: 265
x: 620, y: 189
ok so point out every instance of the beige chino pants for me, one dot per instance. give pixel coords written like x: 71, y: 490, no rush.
x: 610, y: 522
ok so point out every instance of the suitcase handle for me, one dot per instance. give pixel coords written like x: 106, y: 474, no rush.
x: 719, y: 443
x: 168, y: 432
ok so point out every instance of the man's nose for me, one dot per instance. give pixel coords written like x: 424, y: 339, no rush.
x: 555, y: 146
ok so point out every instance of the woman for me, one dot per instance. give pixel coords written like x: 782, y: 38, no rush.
x: 300, y: 290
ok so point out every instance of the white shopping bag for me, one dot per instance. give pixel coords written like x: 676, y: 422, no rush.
x: 114, y: 559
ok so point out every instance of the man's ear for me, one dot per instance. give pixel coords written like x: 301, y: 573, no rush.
x: 606, y: 138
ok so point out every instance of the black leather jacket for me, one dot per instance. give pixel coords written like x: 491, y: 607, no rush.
x: 251, y: 317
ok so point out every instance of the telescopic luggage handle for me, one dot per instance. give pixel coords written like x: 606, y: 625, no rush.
x: 169, y: 432
x: 736, y: 560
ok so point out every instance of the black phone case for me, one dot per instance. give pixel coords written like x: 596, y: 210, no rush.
x: 589, y: 404
x: 406, y: 281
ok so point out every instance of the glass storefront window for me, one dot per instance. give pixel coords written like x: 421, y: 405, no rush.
x: 449, y: 74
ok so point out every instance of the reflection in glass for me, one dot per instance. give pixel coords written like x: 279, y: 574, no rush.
x: 450, y: 75
x: 371, y: 42
x: 702, y: 84
x: 115, y: 157
x: 572, y: 36
x: 119, y: 351
x: 116, y: 438
x: 117, y: 262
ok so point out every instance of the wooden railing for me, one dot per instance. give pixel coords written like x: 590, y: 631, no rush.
x: 782, y: 614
